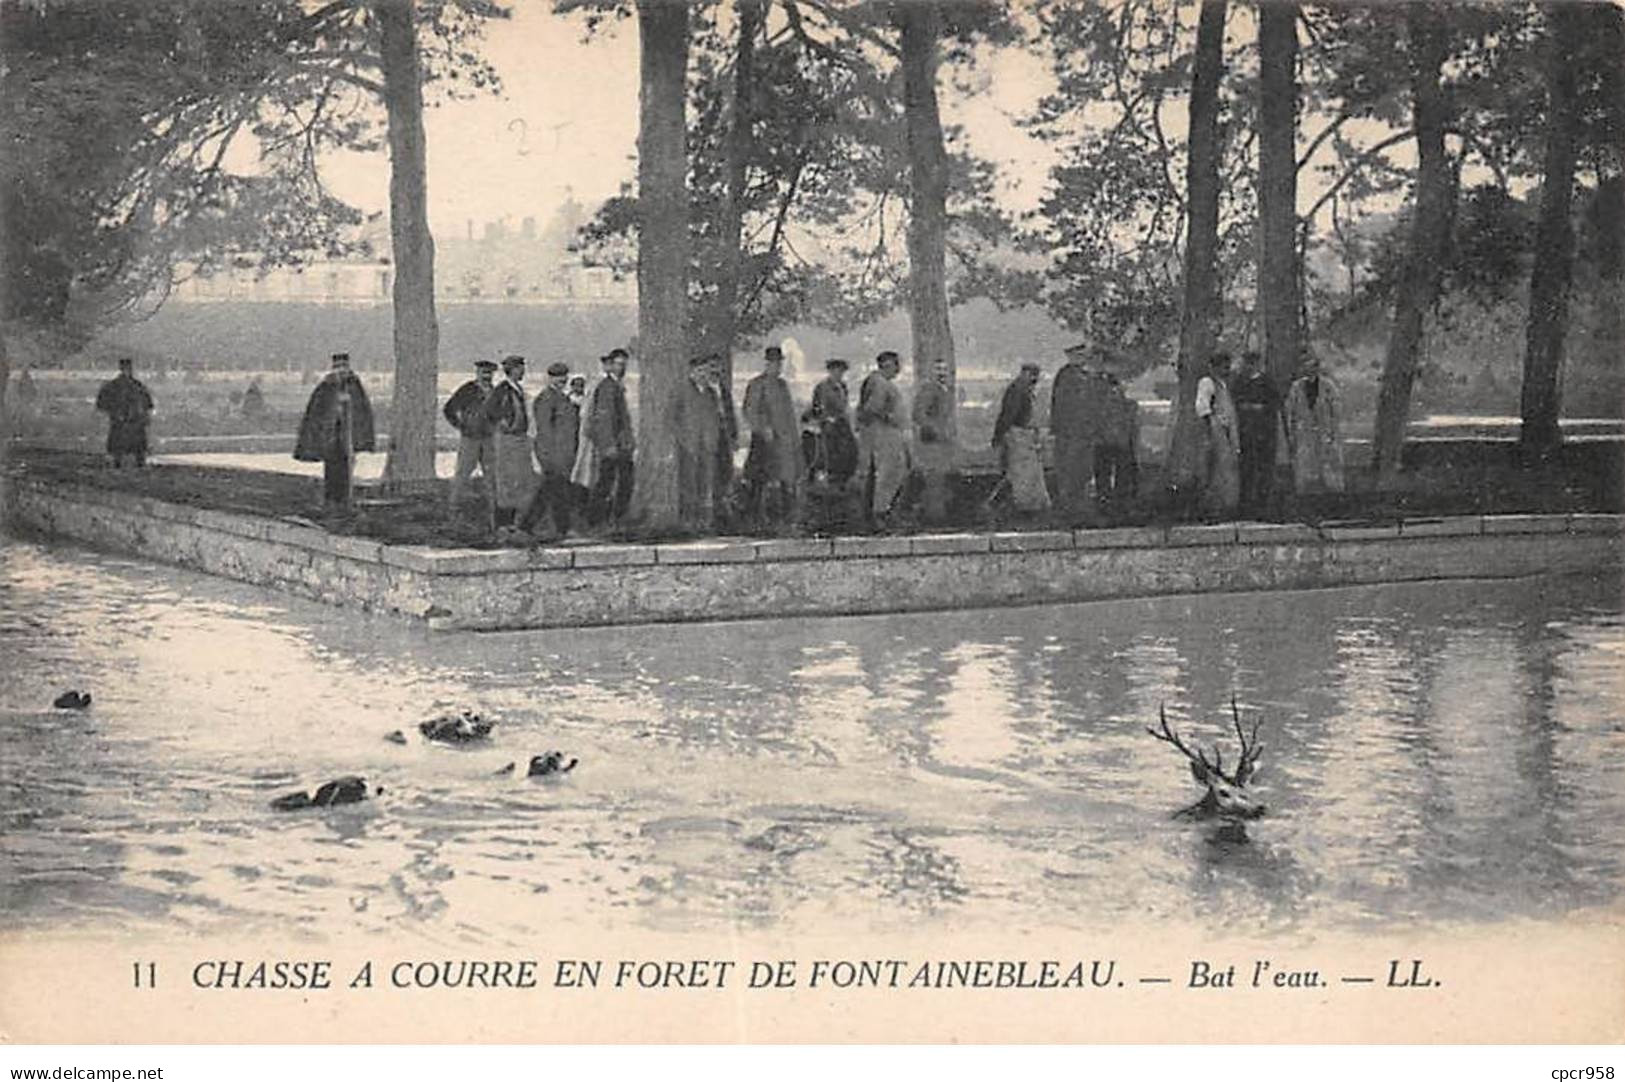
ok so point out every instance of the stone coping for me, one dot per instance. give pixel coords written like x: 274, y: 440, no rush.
x: 745, y: 550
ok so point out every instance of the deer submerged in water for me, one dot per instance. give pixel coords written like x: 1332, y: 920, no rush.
x: 1226, y: 797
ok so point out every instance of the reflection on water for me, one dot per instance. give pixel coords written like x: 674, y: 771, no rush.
x: 1435, y: 752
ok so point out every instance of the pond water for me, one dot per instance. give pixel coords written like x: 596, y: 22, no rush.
x: 1435, y: 753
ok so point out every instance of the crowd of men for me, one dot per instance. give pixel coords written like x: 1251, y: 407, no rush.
x: 1246, y: 428
x: 566, y: 456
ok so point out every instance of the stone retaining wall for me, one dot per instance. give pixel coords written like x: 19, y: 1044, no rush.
x: 574, y: 586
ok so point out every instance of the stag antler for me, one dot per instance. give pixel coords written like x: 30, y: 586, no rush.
x: 1200, y: 767
x: 1251, y: 749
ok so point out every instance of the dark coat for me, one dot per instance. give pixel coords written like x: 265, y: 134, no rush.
x: 834, y: 449
x: 505, y: 410
x: 775, y: 449
x: 128, y: 406
x: 609, y: 422
x: 1080, y: 404
x: 1015, y: 409
x: 466, y: 410
x: 558, y: 424
x: 326, y: 418
x: 933, y: 419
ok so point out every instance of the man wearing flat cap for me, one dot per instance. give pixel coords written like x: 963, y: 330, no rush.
x: 558, y: 424
x: 832, y: 450
x: 508, y: 412
x: 476, y: 448
x: 727, y: 437
x: 337, y: 424
x: 604, y: 456
x: 699, y: 439
x: 1020, y: 444
x: 1078, y: 419
x: 882, y: 442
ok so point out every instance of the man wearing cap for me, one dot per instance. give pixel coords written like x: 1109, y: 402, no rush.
x: 773, y: 467
x: 604, y: 456
x: 1020, y: 444
x: 1258, y: 414
x: 128, y: 407
x: 1219, y: 440
x: 934, y: 439
x: 336, y: 425
x: 1078, y: 421
x: 1311, y: 419
x: 727, y: 436
x: 882, y: 445
x: 833, y: 454
x: 1117, y: 462
x: 699, y: 437
x: 476, y: 448
x: 507, y: 411
x: 558, y: 424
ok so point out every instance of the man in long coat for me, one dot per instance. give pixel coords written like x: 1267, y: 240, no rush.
x: 337, y: 424
x: 882, y: 441
x: 1258, y: 415
x: 476, y: 447
x: 129, y: 408
x: 1312, y: 436
x: 604, y: 456
x: 832, y: 454
x: 1220, y: 438
x: 773, y: 466
x: 1080, y: 405
x: 508, y: 411
x: 1016, y: 435
x: 699, y: 435
x: 1117, y: 455
x: 934, y: 440
x: 558, y: 424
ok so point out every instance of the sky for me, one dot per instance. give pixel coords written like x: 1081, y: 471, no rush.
x: 566, y: 121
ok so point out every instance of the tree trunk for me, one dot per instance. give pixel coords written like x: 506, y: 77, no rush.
x: 417, y: 332
x: 1554, y: 241
x: 662, y: 255
x: 1279, y: 263
x: 725, y: 327
x: 921, y: 27
x: 1430, y: 229
x: 1199, y: 320
x: 1611, y: 177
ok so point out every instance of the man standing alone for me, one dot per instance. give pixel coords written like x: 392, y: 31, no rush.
x: 128, y: 407
x: 476, y: 449
x: 337, y: 424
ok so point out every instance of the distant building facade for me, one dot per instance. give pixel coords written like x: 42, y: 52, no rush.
x: 503, y: 264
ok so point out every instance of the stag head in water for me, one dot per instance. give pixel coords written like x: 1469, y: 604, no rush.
x: 1226, y: 797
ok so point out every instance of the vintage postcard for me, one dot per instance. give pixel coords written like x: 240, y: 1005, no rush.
x: 623, y: 521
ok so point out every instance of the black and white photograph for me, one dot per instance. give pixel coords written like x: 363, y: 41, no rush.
x: 813, y: 521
